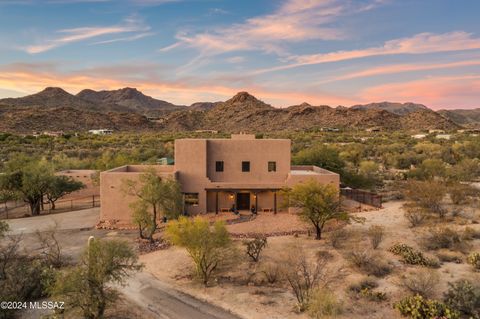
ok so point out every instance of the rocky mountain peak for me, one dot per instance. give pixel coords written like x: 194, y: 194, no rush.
x: 242, y: 97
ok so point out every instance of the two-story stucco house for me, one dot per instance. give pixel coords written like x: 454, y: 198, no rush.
x: 218, y: 175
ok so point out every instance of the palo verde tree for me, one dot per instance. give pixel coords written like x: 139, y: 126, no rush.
x: 88, y: 286
x: 316, y: 203
x: 208, y: 247
x: 155, y: 195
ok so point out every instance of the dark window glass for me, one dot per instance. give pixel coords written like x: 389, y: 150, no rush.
x: 219, y: 166
x: 245, y: 166
x: 191, y: 199
x: 272, y: 166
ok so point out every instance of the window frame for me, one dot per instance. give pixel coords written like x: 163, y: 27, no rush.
x: 274, y: 169
x: 222, y: 168
x: 245, y: 166
x: 191, y: 202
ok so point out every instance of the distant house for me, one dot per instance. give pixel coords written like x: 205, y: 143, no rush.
x: 206, y: 131
x: 419, y: 136
x: 373, y: 129
x: 101, y: 131
x: 165, y: 161
x: 444, y: 136
x: 436, y: 131
x: 49, y: 133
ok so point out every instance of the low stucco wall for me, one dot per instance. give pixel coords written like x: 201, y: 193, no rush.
x: 114, y: 201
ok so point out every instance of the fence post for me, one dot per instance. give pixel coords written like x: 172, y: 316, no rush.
x: 93, y: 200
x: 71, y: 204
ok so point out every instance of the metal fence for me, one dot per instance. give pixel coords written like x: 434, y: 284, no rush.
x: 364, y: 197
x: 18, y: 209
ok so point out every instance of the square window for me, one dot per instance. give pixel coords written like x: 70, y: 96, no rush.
x: 219, y: 166
x: 245, y: 166
x: 272, y: 166
x: 191, y: 199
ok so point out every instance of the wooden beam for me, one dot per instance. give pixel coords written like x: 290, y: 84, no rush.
x: 274, y: 202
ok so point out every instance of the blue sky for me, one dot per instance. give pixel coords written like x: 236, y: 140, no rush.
x: 285, y: 52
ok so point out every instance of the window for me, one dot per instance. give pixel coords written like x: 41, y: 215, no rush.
x: 245, y: 166
x: 272, y: 166
x: 219, y: 166
x: 191, y: 199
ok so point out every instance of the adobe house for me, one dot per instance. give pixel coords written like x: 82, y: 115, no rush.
x: 218, y: 175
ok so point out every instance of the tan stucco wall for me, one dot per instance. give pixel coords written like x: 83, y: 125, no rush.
x: 195, y: 170
x: 114, y: 202
x: 257, y: 152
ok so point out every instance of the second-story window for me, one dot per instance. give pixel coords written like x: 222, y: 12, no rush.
x: 272, y: 166
x: 219, y: 166
x: 245, y: 166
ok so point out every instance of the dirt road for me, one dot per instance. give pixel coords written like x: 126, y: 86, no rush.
x: 156, y: 298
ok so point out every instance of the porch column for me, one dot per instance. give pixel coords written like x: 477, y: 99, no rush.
x: 234, y: 201
x: 274, y: 202
x: 216, y: 202
x: 256, y: 202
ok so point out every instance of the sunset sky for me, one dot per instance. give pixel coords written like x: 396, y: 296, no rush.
x: 284, y: 52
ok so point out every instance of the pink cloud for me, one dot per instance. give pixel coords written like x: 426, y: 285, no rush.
x: 180, y: 92
x: 439, y: 92
x: 418, y: 44
x: 400, y: 68
x: 294, y: 21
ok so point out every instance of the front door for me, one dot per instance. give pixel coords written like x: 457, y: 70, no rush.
x: 243, y: 201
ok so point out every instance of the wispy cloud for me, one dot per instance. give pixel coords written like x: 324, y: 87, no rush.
x: 67, y: 36
x: 294, y: 21
x: 418, y: 44
x: 399, y: 68
x: 126, y: 39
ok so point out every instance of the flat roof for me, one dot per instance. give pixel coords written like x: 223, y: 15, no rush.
x: 303, y: 172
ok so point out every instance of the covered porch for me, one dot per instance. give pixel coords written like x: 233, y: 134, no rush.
x: 243, y: 199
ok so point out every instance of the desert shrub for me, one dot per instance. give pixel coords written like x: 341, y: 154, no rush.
x: 460, y: 194
x: 421, y: 282
x: 255, y: 247
x: 365, y: 283
x: 209, y: 247
x: 427, y: 195
x: 470, y: 234
x: 324, y: 254
x: 376, y: 234
x: 415, y: 215
x: 369, y: 263
x: 412, y: 256
x: 372, y: 295
x: 338, y: 237
x: 417, y: 307
x: 449, y: 256
x: 323, y: 303
x: 474, y: 260
x: 464, y: 297
x: 442, y: 237
x: 365, y: 289
x: 272, y: 272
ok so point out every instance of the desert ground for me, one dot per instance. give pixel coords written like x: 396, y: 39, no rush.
x: 240, y: 289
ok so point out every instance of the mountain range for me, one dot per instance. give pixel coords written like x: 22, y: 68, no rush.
x: 128, y: 109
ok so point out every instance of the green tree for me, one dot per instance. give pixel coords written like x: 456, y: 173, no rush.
x: 317, y: 203
x: 30, y: 181
x: 323, y: 156
x: 428, y: 195
x: 88, y: 286
x: 59, y: 186
x: 155, y: 195
x: 208, y: 247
